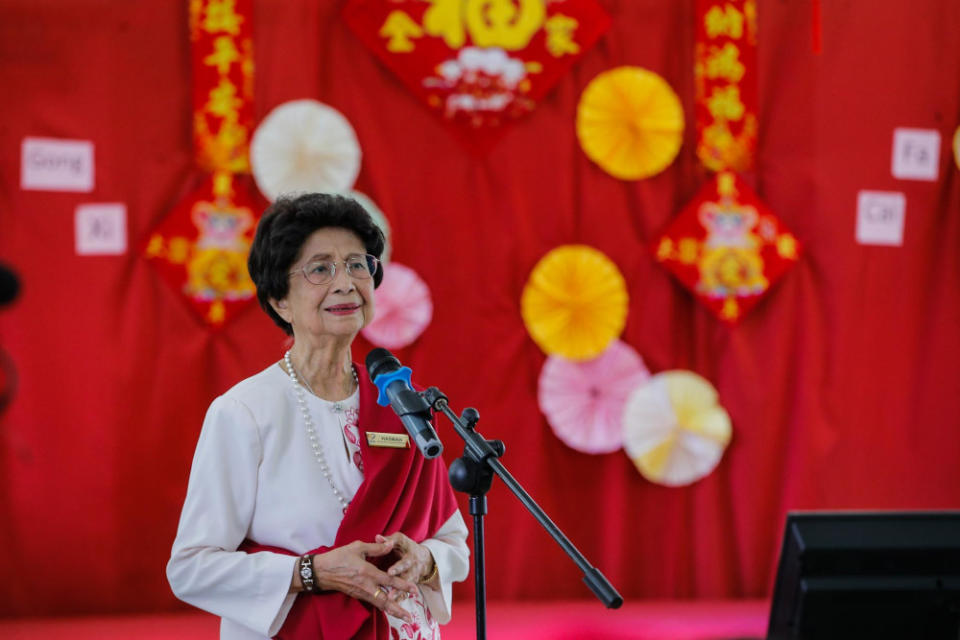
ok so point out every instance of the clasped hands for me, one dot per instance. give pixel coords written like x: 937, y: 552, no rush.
x: 346, y: 569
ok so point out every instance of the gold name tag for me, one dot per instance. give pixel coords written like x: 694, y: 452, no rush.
x: 393, y: 440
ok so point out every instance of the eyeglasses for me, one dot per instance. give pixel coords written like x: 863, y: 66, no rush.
x: 360, y: 267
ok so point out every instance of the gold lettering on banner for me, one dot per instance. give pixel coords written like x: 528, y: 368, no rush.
x: 725, y: 104
x: 725, y: 63
x: 508, y: 24
x: 400, y: 28
x: 560, y: 29
x: 223, y: 100
x: 444, y: 18
x: 724, y: 22
x: 222, y: 16
x: 224, y: 54
x: 500, y: 23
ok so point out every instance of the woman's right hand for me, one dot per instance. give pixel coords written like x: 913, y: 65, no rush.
x: 346, y: 569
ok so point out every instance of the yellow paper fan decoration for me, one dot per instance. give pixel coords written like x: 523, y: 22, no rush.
x: 674, y: 430
x: 575, y: 302
x: 630, y: 122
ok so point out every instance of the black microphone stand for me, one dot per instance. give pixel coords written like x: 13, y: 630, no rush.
x: 473, y: 474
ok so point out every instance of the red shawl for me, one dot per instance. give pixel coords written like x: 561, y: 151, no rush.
x: 401, y: 491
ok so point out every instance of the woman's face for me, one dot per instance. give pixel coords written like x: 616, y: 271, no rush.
x: 339, y: 308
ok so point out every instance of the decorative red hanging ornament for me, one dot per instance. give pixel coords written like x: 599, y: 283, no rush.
x: 478, y: 63
x: 725, y: 75
x: 201, y: 247
x: 727, y: 247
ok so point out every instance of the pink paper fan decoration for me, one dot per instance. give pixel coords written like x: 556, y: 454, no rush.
x: 403, y: 308
x: 584, y: 400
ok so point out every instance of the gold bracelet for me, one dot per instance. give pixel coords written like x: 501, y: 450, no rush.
x: 430, y: 576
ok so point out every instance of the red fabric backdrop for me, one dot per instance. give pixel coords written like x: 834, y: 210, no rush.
x: 842, y: 385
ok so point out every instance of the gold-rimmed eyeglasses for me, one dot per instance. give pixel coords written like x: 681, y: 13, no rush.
x: 360, y: 267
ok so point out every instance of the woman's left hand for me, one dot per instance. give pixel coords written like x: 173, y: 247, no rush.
x: 415, y: 563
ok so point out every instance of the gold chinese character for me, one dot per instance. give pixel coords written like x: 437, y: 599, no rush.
x: 222, y: 16
x: 399, y: 27
x: 725, y: 104
x: 224, y: 54
x: 725, y: 63
x: 724, y: 22
x: 444, y: 18
x: 499, y: 23
x: 223, y: 100
x: 229, y: 147
x: 490, y: 23
x: 560, y: 29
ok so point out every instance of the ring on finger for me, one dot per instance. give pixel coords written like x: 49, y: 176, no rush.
x: 379, y: 592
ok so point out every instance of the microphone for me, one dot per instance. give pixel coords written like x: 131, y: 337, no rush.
x: 393, y: 381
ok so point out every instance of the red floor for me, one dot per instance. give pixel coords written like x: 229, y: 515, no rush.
x: 650, y: 620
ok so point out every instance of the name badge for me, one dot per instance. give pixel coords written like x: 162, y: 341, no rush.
x: 392, y: 440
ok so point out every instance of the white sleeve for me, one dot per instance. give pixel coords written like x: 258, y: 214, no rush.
x: 450, y: 552
x: 205, y: 568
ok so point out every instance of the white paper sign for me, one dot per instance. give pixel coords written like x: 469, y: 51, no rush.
x: 47, y: 164
x: 101, y: 229
x: 916, y: 154
x: 880, y: 216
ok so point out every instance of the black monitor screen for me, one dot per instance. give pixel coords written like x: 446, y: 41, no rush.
x: 868, y: 575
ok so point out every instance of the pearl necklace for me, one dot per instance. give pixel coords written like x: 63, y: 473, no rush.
x: 311, y: 431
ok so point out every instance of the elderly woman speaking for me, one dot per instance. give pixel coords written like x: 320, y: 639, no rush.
x: 295, y: 524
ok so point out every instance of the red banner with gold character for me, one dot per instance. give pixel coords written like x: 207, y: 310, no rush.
x: 478, y: 63
x: 727, y: 247
x: 725, y: 73
x: 201, y: 247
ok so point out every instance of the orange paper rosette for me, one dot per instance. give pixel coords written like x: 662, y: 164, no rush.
x: 674, y: 429
x: 630, y: 122
x: 575, y: 302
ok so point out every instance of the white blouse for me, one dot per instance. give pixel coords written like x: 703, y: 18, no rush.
x: 254, y: 476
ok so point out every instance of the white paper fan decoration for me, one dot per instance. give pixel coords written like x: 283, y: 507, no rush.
x: 584, y: 400
x: 304, y: 146
x: 403, y: 308
x: 674, y: 430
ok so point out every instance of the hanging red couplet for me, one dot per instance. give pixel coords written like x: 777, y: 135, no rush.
x: 221, y: 39
x: 727, y: 247
x: 478, y: 63
x: 725, y: 74
x: 201, y: 246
